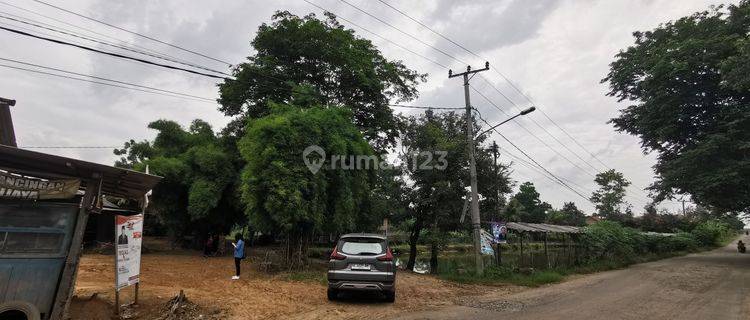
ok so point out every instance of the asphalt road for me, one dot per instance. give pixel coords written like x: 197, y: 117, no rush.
x: 708, y: 285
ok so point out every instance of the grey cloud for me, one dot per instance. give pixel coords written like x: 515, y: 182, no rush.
x: 491, y: 24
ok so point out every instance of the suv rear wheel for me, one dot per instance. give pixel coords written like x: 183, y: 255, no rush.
x: 390, y: 296
x: 18, y: 310
x: 332, y: 294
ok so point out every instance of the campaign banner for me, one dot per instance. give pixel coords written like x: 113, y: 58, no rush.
x: 486, y: 242
x: 499, y: 232
x: 128, y: 236
x: 24, y: 188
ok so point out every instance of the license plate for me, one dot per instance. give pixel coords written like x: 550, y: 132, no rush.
x: 356, y: 266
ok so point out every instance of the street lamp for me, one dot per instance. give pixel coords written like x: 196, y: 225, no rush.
x: 522, y: 113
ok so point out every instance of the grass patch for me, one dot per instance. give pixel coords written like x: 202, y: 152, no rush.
x: 312, y: 276
x: 502, y: 275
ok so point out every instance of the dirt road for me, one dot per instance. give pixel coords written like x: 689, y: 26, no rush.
x: 709, y: 285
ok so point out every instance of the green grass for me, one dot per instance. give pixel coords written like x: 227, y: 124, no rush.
x: 500, y: 275
x: 314, y: 276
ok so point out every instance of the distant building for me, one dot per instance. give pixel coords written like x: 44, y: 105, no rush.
x: 592, y: 219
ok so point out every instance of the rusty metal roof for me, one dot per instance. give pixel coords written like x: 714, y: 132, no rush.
x: 543, y: 227
x: 116, y: 182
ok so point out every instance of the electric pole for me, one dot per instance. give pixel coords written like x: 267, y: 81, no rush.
x: 7, y: 134
x: 476, y: 227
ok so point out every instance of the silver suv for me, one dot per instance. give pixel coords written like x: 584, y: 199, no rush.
x: 362, y: 261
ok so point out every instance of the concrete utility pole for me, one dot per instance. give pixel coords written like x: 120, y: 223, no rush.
x: 7, y: 134
x: 472, y: 166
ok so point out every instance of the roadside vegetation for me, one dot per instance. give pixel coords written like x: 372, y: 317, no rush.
x: 312, y: 81
x: 604, y: 246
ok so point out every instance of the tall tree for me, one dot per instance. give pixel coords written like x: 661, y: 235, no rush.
x: 197, y: 194
x: 609, y: 199
x: 569, y: 215
x: 339, y: 69
x: 283, y: 195
x: 688, y: 85
x: 494, y: 183
x: 435, y: 160
x: 534, y: 209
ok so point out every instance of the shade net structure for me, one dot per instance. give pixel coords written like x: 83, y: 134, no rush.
x: 539, y: 246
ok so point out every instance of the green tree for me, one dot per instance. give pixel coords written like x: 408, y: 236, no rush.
x: 609, y: 199
x: 534, y: 210
x: 197, y: 194
x: 569, y: 215
x: 338, y: 68
x: 435, y: 160
x: 493, y: 182
x: 688, y: 86
x: 283, y: 195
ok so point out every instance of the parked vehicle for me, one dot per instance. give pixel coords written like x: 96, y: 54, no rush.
x: 362, y: 262
x: 34, y: 242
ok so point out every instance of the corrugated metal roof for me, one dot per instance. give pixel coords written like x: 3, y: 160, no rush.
x: 116, y: 182
x: 543, y: 227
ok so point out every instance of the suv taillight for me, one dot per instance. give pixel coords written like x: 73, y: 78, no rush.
x: 387, y: 257
x: 335, y: 255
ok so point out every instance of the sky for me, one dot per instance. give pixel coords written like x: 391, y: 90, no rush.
x: 553, y: 52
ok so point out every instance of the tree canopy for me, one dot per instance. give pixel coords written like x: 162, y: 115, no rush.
x: 569, y: 215
x: 197, y: 192
x: 438, y: 182
x: 532, y: 209
x: 609, y: 199
x: 688, y: 85
x: 338, y: 67
x: 282, y: 195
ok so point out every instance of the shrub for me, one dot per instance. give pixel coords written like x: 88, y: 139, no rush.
x: 711, y: 232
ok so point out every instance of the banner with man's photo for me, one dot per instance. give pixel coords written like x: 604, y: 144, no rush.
x: 128, y: 236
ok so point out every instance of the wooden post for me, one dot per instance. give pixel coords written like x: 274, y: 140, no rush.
x: 520, y: 261
x: 531, y: 250
x: 70, y: 270
x: 117, y: 290
x: 546, y: 253
x: 497, y: 255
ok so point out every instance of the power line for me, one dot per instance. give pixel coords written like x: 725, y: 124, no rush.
x: 106, y: 79
x: 377, y: 35
x: 82, y: 28
x: 532, y: 134
x: 157, y: 91
x: 506, y: 79
x: 459, y: 60
x: 517, y: 107
x: 426, y: 107
x: 117, y: 55
x: 112, y: 45
x: 132, y: 32
x: 68, y: 147
x: 403, y: 32
x: 560, y: 181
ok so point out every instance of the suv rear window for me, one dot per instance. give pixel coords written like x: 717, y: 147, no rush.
x: 362, y: 246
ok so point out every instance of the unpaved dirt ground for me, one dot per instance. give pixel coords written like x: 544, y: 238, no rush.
x: 206, y: 282
x: 709, y: 285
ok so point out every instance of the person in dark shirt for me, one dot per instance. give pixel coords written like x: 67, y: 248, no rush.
x: 122, y: 239
x: 239, y: 254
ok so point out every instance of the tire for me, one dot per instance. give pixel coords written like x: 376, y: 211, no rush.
x: 390, y: 296
x: 28, y: 309
x: 332, y: 294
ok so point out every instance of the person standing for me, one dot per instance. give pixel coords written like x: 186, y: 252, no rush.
x: 239, y: 254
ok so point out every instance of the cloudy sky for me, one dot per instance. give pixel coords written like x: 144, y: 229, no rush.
x: 554, y: 52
